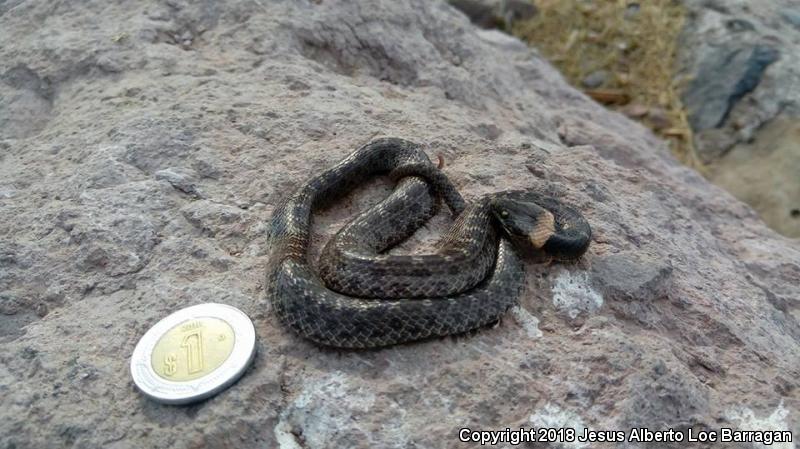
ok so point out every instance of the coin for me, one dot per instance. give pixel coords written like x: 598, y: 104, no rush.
x: 193, y: 353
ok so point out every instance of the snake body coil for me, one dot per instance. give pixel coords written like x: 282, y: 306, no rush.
x: 363, y: 297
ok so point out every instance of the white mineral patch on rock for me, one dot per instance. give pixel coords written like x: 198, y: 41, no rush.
x: 528, y: 322
x: 745, y: 419
x: 553, y: 416
x: 323, y: 407
x: 572, y: 294
x: 285, y: 437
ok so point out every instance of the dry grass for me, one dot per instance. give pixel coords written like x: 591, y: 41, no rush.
x: 634, y: 43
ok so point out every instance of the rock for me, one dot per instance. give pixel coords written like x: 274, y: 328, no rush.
x: 658, y: 118
x: 495, y: 13
x: 632, y: 277
x: 744, y: 63
x: 514, y: 10
x: 635, y: 110
x: 178, y: 179
x: 632, y: 10
x: 481, y: 12
x: 764, y: 173
x: 504, y: 40
x: 573, y: 294
x: 739, y: 25
x: 792, y: 17
x: 683, y: 312
x: 25, y: 102
x: 595, y: 79
x: 742, y: 71
x: 724, y: 78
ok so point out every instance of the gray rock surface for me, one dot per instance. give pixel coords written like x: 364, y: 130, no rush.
x: 743, y: 61
x: 495, y: 13
x: 144, y: 146
x: 766, y: 174
x: 595, y: 79
x: 723, y: 79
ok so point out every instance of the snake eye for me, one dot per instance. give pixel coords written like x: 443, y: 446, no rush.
x: 504, y: 213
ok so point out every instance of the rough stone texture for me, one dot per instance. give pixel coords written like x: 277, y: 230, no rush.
x: 722, y: 80
x: 766, y: 174
x: 742, y: 59
x: 743, y: 63
x: 495, y: 13
x: 145, y: 145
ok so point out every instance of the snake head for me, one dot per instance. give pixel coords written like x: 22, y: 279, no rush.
x: 541, y: 226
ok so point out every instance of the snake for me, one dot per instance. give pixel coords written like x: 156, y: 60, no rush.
x: 362, y: 296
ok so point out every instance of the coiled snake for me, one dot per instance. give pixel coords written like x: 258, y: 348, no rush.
x: 364, y: 297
